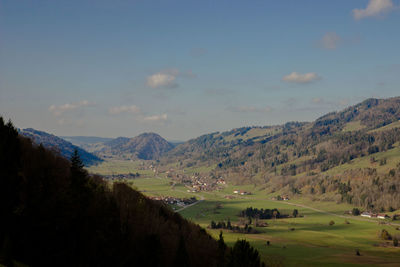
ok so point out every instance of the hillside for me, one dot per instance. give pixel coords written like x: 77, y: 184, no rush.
x: 64, y: 147
x: 54, y: 214
x: 297, y: 157
x: 147, y: 146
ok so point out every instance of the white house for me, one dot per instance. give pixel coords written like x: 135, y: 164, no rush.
x: 382, y: 216
x: 366, y: 214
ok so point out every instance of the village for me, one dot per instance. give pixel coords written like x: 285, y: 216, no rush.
x: 196, y: 182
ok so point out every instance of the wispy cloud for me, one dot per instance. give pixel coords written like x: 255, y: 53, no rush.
x: 296, y: 77
x: 168, y: 78
x: 156, y: 118
x: 317, y: 100
x: 330, y: 41
x: 133, y: 109
x: 373, y: 9
x: 59, y: 110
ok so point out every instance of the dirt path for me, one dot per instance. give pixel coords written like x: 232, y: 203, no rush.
x: 334, y: 214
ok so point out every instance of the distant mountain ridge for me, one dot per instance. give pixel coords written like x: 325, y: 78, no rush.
x: 56, y: 143
x: 146, y: 146
x: 242, y: 144
x: 85, y: 140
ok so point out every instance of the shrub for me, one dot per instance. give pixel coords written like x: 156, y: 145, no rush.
x: 355, y: 212
x: 385, y: 235
x: 331, y: 223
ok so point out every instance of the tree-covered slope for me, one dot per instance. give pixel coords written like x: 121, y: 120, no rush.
x: 281, y: 156
x: 60, y: 145
x: 54, y: 214
x: 146, y: 146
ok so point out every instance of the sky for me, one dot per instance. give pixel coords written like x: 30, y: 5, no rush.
x: 186, y: 68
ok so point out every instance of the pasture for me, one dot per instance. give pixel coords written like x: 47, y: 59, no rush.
x: 308, y: 240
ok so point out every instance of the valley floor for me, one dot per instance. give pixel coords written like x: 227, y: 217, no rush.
x: 308, y: 240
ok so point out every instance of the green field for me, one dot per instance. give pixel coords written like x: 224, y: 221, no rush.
x: 313, y: 242
x: 392, y: 159
x: 390, y: 126
x: 353, y: 126
x: 120, y: 167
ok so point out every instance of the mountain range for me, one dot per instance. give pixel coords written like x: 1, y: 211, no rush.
x: 146, y: 146
x: 297, y: 157
x: 331, y: 140
x: 60, y: 145
x: 351, y: 155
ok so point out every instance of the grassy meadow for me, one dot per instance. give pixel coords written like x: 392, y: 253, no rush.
x: 308, y: 240
x: 111, y: 167
x: 313, y: 242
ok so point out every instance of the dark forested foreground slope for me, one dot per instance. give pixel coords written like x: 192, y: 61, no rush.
x: 54, y: 214
x: 65, y: 148
x: 354, y: 153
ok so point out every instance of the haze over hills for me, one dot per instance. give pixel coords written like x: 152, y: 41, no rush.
x: 85, y: 140
x: 64, y: 147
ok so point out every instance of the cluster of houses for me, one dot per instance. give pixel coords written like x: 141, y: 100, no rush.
x: 281, y: 197
x: 374, y: 215
x: 241, y: 192
x: 174, y: 200
x: 196, y: 182
x: 152, y: 168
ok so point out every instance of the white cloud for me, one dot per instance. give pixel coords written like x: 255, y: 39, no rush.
x: 373, y: 9
x: 124, y: 109
x: 161, y: 80
x: 330, y: 41
x: 156, y: 118
x: 295, y: 77
x: 248, y: 109
x: 168, y: 78
x: 59, y: 110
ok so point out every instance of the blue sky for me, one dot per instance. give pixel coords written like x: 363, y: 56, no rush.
x: 185, y: 68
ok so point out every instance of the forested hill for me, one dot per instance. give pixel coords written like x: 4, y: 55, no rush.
x: 361, y: 140
x: 54, y: 214
x: 356, y: 130
x: 145, y: 146
x: 64, y: 147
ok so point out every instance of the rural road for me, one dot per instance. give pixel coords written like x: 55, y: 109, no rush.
x: 191, y: 205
